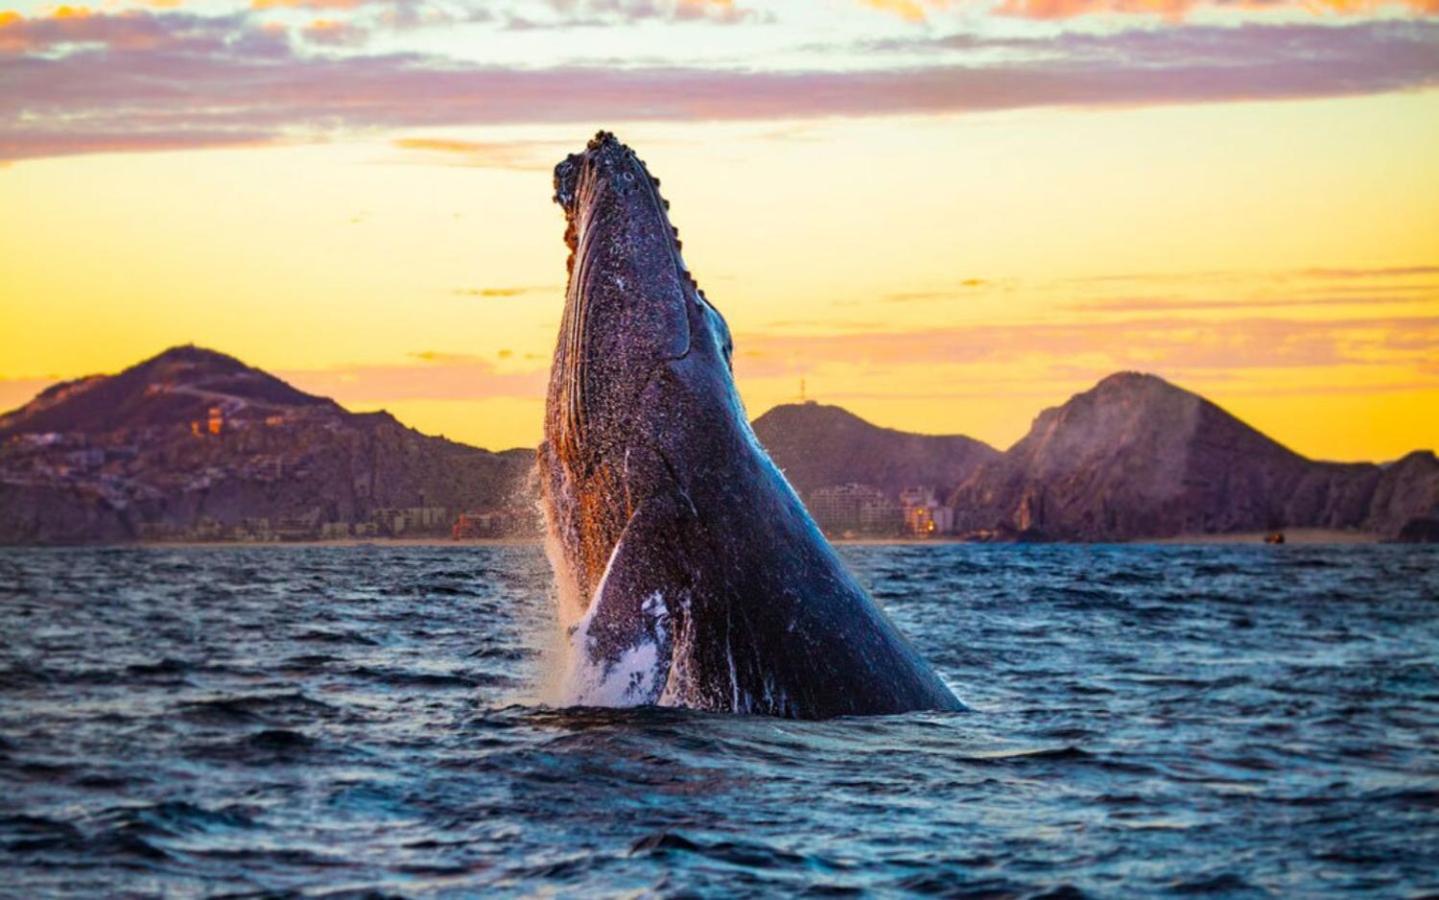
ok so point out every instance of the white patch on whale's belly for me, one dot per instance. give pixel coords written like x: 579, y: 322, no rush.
x: 634, y: 679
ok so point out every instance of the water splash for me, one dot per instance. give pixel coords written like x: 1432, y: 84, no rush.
x: 639, y: 677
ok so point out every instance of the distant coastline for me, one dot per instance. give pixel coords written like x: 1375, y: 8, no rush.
x: 1308, y: 536
x: 1300, y: 536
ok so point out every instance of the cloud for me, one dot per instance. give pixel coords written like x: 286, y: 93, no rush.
x: 16, y: 392
x: 1385, y: 272
x: 69, y: 26
x: 522, y: 155
x: 33, y: 144
x: 305, y: 4
x: 965, y: 285
x: 1049, y: 10
x: 436, y: 376
x: 154, y: 78
x: 909, y: 10
x: 496, y: 292
x: 134, y: 33
x: 1374, y: 273
x: 1164, y: 304
x: 333, y: 32
x: 606, y: 13
x: 1175, y: 343
x: 1178, y: 9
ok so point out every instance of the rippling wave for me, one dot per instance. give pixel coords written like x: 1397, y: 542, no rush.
x: 1236, y: 721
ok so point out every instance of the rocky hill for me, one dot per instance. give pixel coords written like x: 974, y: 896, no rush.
x: 195, y: 443
x: 819, y: 446
x: 1136, y: 456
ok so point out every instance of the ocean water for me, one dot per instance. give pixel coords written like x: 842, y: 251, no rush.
x: 1232, y: 721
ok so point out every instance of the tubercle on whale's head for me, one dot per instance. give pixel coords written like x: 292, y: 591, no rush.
x: 606, y: 166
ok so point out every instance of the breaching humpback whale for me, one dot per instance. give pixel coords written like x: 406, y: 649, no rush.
x: 699, y: 578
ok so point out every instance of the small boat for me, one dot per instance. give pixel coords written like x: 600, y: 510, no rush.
x: 1274, y: 537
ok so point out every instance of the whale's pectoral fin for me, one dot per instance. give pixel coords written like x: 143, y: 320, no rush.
x: 640, y: 601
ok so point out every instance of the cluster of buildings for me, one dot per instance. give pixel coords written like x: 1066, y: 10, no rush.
x: 492, y: 523
x: 383, y: 522
x: 50, y: 458
x: 859, y: 510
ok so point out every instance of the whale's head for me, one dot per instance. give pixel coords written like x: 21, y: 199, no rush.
x: 633, y: 318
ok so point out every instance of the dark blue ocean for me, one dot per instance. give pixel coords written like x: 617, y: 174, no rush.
x: 1216, y: 720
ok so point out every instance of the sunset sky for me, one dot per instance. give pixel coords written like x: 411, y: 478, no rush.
x: 944, y: 215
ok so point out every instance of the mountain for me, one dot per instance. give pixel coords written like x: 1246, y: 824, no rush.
x: 176, y: 387
x: 1136, y: 456
x: 819, y: 446
x: 195, y: 443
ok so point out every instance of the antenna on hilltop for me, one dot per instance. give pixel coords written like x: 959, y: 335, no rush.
x: 801, y: 391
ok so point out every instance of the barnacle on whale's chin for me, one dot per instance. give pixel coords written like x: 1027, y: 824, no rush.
x: 567, y: 177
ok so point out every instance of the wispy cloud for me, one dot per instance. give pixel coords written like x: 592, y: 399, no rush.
x: 923, y: 10
x: 305, y: 4
x: 1375, y: 273
x: 965, y: 286
x: 334, y: 32
x: 504, y: 292
x: 607, y: 13
x: 16, y: 392
x: 1384, y: 272
x: 1178, y: 9
x: 78, y: 28
x: 1176, y: 343
x: 434, y: 376
x: 523, y: 155
x: 909, y: 10
x: 139, y: 80
x: 1170, y: 304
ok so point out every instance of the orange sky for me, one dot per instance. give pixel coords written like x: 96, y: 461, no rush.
x: 943, y: 216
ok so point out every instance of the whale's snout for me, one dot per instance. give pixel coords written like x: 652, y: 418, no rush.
x: 567, y: 181
x: 629, y: 303
x: 605, y: 166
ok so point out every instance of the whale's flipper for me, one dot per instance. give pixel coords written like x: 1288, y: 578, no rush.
x: 624, y: 645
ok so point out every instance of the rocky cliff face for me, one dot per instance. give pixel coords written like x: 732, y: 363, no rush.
x: 1136, y: 456
x: 818, y: 446
x: 1405, y: 491
x: 193, y: 436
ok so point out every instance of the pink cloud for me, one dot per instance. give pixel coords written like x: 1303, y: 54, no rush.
x: 333, y: 32
x: 1178, y: 9
x: 16, y: 392
x: 522, y: 155
x: 436, y: 376
x: 1175, y: 343
x: 491, y: 293
x: 1166, y: 304
x: 142, y: 79
x: 605, y: 13
x: 1174, y: 10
